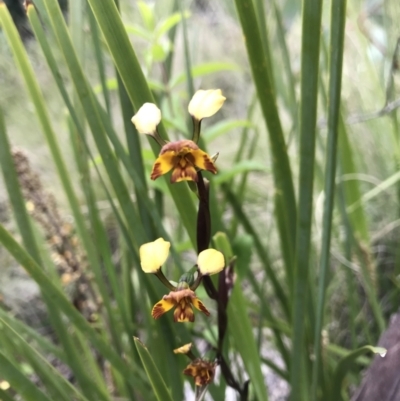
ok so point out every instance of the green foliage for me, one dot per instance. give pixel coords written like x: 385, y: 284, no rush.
x: 307, y: 185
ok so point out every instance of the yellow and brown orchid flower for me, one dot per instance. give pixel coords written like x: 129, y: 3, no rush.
x: 154, y: 254
x: 183, y: 158
x: 183, y: 299
x: 201, y: 370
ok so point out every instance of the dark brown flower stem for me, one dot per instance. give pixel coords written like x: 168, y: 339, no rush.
x: 225, y: 283
x: 203, y: 215
x: 204, y: 229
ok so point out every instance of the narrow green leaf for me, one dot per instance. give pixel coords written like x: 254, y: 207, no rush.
x: 147, y: 14
x: 285, y: 201
x: 244, y: 166
x: 19, y: 381
x: 351, y: 188
x: 5, y: 396
x: 260, y: 249
x: 164, y: 26
x: 155, y: 378
x: 202, y: 70
x: 99, y: 233
x: 14, y: 192
x: 42, y: 113
x: 241, y: 331
x: 373, y: 193
x: 137, y: 30
x: 100, y: 61
x: 223, y: 127
x: 24, y: 330
x: 311, y: 27
x: 338, y: 18
x: 344, y: 366
x: 128, y: 66
x: 58, y: 386
x: 53, y: 293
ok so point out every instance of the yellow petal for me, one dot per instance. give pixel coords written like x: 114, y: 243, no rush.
x: 163, y: 164
x: 153, y: 255
x: 210, y: 261
x: 161, y: 307
x: 203, y: 161
x: 147, y: 118
x: 206, y: 103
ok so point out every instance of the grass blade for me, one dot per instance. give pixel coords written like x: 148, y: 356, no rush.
x: 240, y: 329
x: 156, y: 380
x: 14, y: 192
x: 284, y: 191
x: 338, y: 18
x: 345, y: 364
x: 58, y: 298
x: 138, y: 91
x: 19, y: 381
x: 311, y: 26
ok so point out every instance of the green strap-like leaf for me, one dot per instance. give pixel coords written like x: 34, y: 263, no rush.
x: 344, y: 366
x: 13, y: 374
x: 284, y: 190
x: 138, y: 91
x: 54, y: 294
x: 241, y: 330
x: 338, y: 18
x: 311, y: 30
x: 156, y: 380
x: 58, y: 386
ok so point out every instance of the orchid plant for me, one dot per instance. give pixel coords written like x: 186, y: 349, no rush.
x: 187, y: 161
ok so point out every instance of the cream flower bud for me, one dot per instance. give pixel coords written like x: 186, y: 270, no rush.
x: 147, y: 118
x: 210, y: 261
x: 184, y: 349
x: 206, y: 103
x: 153, y: 255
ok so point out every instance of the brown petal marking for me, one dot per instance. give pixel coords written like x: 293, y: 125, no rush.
x: 202, y: 161
x: 162, y: 307
x: 157, y: 311
x: 184, y: 311
x: 209, y: 164
x: 188, y: 173
x: 156, y: 172
x: 163, y: 164
x: 200, y: 306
